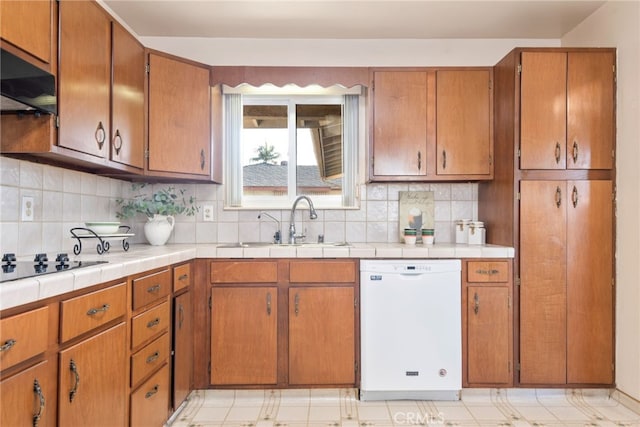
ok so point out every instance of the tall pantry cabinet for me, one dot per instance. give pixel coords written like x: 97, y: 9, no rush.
x: 553, y: 200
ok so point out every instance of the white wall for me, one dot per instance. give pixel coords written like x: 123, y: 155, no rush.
x: 617, y: 24
x: 344, y: 53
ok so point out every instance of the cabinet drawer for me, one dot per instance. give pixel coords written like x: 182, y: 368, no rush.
x: 23, y: 336
x: 244, y: 272
x: 150, y: 402
x: 149, y: 358
x: 322, y: 272
x: 181, y: 277
x: 151, y: 288
x: 488, y: 271
x: 149, y: 324
x: 87, y: 312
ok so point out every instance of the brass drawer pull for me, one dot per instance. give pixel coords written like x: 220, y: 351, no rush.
x: 95, y: 311
x: 151, y: 392
x: 153, y: 323
x: 183, y: 277
x: 488, y: 272
x: 154, y: 288
x: 8, y: 344
x: 153, y: 357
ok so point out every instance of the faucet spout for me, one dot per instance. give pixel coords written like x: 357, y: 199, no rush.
x: 292, y: 224
x: 276, y: 236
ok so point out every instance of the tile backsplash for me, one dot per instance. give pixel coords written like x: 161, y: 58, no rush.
x: 65, y: 198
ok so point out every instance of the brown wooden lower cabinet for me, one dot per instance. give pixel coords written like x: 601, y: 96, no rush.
x: 29, y: 398
x: 294, y: 324
x: 487, y: 323
x: 244, y: 325
x: 321, y: 335
x: 92, y: 381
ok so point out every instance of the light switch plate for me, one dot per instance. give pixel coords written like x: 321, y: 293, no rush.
x: 27, y: 208
x: 207, y: 213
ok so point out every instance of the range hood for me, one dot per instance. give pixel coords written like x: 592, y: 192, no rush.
x: 25, y: 87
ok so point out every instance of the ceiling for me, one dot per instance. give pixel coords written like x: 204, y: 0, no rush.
x: 353, y: 19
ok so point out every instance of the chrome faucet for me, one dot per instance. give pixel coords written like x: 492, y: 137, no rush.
x: 277, y: 236
x: 292, y: 225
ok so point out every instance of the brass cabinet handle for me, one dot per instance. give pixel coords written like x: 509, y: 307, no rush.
x: 8, y: 344
x: 476, y: 303
x: 74, y: 390
x: 38, y: 391
x: 154, y: 288
x: 100, y: 135
x: 151, y: 392
x: 296, y: 304
x: 574, y: 197
x: 419, y: 161
x: 95, y: 311
x: 444, y: 159
x: 180, y: 316
x: 269, y: 304
x: 153, y: 322
x: 183, y: 277
x: 117, y: 138
x: 558, y: 152
x: 202, y: 159
x: 558, y: 197
x: 153, y: 357
x: 575, y: 151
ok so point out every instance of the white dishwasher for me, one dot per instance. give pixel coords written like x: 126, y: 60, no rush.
x: 411, y: 329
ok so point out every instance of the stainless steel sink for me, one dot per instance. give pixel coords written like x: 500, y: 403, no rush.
x: 282, y: 245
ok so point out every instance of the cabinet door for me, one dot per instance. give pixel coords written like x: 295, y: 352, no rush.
x: 543, y: 112
x: 179, y: 117
x: 182, y: 348
x: 463, y: 115
x: 244, y: 322
x: 84, y: 77
x: 127, y: 127
x: 543, y: 273
x: 590, y: 110
x: 488, y: 332
x: 93, y: 382
x: 28, y: 398
x: 321, y: 335
x: 590, y: 282
x: 400, y: 123
x: 27, y: 24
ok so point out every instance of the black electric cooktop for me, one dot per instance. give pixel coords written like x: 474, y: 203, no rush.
x: 14, y: 270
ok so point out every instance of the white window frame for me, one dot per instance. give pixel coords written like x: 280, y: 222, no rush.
x: 235, y: 98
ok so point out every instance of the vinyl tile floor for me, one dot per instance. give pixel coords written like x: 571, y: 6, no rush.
x: 341, y: 408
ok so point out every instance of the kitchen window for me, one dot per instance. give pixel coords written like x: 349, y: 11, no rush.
x: 285, y: 142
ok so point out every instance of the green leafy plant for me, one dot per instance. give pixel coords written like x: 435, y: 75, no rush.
x: 167, y: 201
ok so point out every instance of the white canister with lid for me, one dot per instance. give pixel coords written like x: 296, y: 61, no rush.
x: 476, y: 233
x: 462, y: 230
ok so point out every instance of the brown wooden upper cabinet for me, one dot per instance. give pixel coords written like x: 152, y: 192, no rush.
x: 179, y: 118
x: 28, y: 25
x: 567, y: 109
x: 432, y: 125
x: 87, y: 125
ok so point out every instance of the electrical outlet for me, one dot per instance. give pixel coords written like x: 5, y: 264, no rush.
x: 27, y: 208
x: 207, y: 213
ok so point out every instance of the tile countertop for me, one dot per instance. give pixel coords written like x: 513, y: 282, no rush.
x: 141, y: 258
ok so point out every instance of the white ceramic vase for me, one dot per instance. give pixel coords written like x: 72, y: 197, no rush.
x: 158, y: 229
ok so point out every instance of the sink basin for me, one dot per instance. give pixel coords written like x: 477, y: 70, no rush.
x: 282, y: 245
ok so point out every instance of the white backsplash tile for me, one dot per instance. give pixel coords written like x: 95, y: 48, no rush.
x: 70, y: 198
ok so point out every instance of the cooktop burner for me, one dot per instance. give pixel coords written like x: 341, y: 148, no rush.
x: 14, y: 270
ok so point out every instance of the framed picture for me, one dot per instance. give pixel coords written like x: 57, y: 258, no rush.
x: 416, y: 210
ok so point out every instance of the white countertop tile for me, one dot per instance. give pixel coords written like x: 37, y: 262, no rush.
x: 141, y: 258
